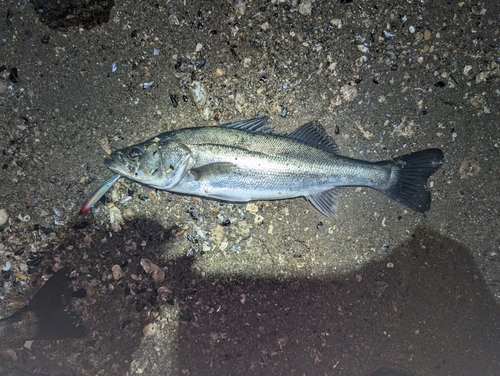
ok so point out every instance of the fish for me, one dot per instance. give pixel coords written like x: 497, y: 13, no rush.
x: 98, y: 193
x: 245, y: 161
x: 45, y: 317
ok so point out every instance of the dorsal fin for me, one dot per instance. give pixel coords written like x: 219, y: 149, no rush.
x: 314, y: 134
x: 253, y: 125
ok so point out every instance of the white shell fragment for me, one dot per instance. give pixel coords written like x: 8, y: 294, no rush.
x: 4, y: 217
x: 467, y: 69
x: 198, y: 93
x: 24, y: 218
x: 348, y: 92
x: 305, y: 7
x: 117, y: 272
x: 203, y: 102
x: 149, y: 329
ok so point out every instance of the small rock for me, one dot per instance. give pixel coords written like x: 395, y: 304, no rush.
x: 217, y: 234
x: 147, y: 265
x: 154, y: 270
x: 406, y: 128
x: 239, y: 8
x: 117, y: 272
x: 243, y: 229
x: 128, y: 214
x: 348, y: 92
x: 115, y: 215
x: 24, y: 218
x: 252, y: 208
x: 481, y: 77
x: 427, y: 35
x: 469, y: 168
x: 149, y: 330
x: 336, y: 22
x: 4, y: 217
x: 198, y: 93
x: 336, y: 100
x: 467, y: 69
x: 20, y: 277
x: 305, y: 7
x: 258, y: 219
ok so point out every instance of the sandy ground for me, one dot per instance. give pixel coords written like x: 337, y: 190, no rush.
x: 272, y: 287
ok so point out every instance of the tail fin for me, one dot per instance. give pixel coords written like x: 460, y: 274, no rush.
x: 408, y: 184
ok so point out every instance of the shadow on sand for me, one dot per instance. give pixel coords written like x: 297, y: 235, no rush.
x: 425, y: 310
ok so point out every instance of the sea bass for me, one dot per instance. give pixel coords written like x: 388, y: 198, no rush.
x: 245, y: 161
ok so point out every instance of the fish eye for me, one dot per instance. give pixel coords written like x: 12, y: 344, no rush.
x: 134, y: 153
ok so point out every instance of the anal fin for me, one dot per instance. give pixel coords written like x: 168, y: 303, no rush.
x: 325, y: 202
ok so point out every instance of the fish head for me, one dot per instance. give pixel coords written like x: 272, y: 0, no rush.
x: 153, y: 163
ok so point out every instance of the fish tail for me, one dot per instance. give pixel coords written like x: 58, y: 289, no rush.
x: 46, y: 316
x: 408, y: 182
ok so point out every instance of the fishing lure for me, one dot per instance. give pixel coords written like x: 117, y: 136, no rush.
x: 98, y: 193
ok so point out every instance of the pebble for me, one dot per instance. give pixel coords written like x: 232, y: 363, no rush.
x: 198, y: 93
x: 128, y: 214
x: 117, y: 272
x: 149, y: 329
x: 252, y: 208
x: 217, y: 234
x: 7, y: 266
x: 20, y: 277
x: 204, y: 103
x: 481, y: 77
x: 305, y: 7
x: 156, y: 272
x: 348, y: 92
x: 24, y: 218
x: 115, y: 215
x: 4, y: 217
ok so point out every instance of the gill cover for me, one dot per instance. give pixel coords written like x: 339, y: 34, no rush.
x: 157, y: 164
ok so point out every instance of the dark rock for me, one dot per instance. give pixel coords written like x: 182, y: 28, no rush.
x: 83, y: 13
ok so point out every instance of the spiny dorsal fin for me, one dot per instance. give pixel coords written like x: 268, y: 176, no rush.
x: 314, y: 134
x: 253, y: 125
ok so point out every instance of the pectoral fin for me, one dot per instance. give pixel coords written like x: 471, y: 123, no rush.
x: 212, y: 171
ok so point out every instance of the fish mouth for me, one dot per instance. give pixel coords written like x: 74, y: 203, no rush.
x: 113, y: 165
